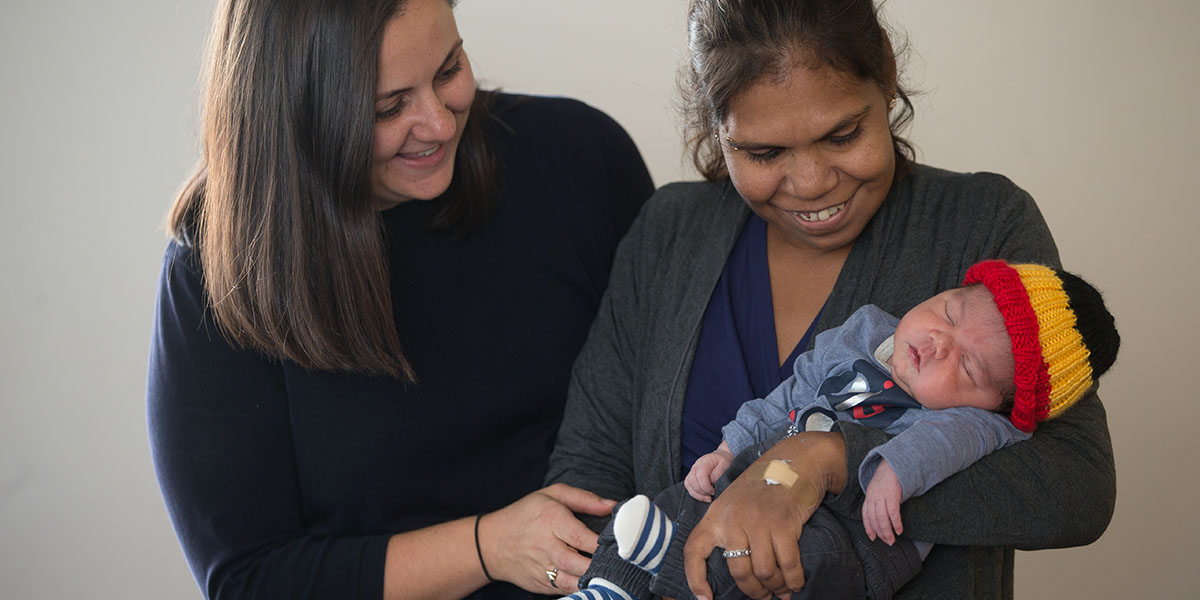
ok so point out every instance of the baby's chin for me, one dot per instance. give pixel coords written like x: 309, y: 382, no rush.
x: 902, y: 383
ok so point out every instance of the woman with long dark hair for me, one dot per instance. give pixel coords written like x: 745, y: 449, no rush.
x: 376, y: 283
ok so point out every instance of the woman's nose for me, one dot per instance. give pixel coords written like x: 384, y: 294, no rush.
x: 810, y: 175
x: 435, y: 122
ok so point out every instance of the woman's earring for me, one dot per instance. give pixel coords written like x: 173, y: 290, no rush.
x: 891, y: 104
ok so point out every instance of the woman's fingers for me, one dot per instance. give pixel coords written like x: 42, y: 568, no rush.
x: 568, y: 560
x: 695, y: 554
x: 574, y: 533
x: 525, y: 540
x: 787, y: 554
x: 746, y: 570
x: 580, y: 501
x: 565, y: 583
x: 766, y: 565
x: 566, y: 526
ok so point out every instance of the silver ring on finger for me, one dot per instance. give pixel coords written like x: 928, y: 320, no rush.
x: 552, y: 576
x: 735, y: 553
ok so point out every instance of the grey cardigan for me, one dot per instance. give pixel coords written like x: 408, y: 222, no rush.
x: 620, y: 433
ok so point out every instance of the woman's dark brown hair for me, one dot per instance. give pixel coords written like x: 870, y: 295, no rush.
x: 280, y: 209
x: 734, y: 44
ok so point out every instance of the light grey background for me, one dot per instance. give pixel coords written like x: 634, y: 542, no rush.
x: 1090, y: 105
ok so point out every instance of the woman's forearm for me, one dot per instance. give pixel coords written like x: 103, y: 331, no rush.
x: 434, y: 562
x: 1054, y: 490
x: 817, y: 456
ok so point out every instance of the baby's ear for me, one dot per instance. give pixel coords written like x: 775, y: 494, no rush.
x: 1007, y: 398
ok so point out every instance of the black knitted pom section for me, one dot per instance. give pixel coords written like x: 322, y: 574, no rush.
x: 1096, y: 325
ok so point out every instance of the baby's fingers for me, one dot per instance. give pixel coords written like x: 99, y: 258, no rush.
x: 868, y: 517
x: 882, y: 522
x: 698, y: 486
x: 894, y: 515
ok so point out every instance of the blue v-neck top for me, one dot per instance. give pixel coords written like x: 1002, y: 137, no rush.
x: 737, y: 354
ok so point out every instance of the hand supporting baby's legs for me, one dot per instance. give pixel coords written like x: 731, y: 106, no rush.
x: 643, y: 534
x: 600, y: 589
x: 832, y: 567
x: 840, y: 562
x: 612, y: 576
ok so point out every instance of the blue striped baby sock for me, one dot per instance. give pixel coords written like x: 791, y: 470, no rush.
x: 600, y: 589
x: 643, y: 533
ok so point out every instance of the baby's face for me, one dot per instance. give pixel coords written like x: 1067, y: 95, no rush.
x: 953, y: 350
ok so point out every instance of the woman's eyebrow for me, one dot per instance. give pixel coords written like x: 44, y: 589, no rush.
x: 449, y: 55
x: 843, y: 123
x: 847, y: 121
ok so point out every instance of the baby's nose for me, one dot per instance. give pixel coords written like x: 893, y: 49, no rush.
x: 942, y: 344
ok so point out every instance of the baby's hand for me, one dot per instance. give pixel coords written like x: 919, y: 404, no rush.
x: 881, y: 509
x: 705, y: 472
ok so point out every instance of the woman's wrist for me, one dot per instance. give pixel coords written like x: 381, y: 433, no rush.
x: 479, y: 550
x: 817, y: 456
x: 433, y: 562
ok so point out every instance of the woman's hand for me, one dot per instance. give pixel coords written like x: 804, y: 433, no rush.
x: 539, y: 533
x: 767, y: 518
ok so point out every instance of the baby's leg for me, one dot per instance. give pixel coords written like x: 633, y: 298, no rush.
x: 599, y: 588
x: 643, y: 532
x: 610, y: 576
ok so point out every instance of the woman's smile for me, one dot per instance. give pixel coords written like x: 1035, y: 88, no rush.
x: 819, y: 216
x: 425, y: 159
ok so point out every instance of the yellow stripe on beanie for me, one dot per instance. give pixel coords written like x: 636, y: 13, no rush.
x: 1063, y: 349
x: 1063, y: 337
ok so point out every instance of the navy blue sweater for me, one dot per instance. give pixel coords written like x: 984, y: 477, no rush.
x: 286, y: 483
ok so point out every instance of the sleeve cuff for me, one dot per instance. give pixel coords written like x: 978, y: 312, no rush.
x: 860, y: 440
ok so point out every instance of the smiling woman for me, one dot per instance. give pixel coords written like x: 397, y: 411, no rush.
x: 811, y: 207
x: 334, y: 403
x: 422, y: 101
x: 812, y: 155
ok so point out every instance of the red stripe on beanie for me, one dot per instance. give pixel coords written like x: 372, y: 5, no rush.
x: 1031, y: 400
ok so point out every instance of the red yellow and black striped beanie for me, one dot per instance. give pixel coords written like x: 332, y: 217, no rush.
x: 1063, y: 337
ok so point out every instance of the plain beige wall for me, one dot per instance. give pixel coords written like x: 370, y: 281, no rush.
x: 1091, y: 106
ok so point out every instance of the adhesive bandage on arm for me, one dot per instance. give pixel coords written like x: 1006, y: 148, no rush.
x: 779, y: 472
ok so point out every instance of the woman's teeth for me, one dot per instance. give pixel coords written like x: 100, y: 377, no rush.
x: 824, y: 215
x: 423, y: 154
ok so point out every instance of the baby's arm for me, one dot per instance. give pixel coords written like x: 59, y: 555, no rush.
x: 881, y: 507
x: 939, y: 444
x: 705, y: 472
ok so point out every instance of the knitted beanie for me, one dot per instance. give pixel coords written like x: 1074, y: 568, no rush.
x: 1063, y: 338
